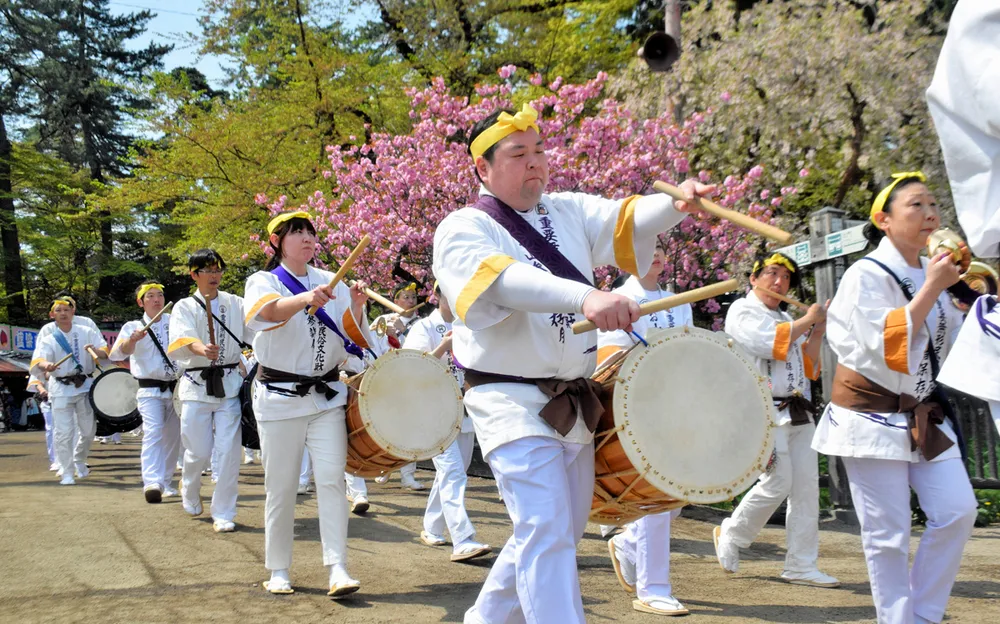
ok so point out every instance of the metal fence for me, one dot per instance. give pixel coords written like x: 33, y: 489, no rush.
x: 981, y: 439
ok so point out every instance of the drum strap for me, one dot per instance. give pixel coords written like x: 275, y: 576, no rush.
x: 529, y: 238
x: 566, y: 398
x: 68, y: 349
x: 303, y: 383
x: 213, y: 376
x: 159, y: 347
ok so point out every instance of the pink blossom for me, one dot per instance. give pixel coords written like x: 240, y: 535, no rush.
x: 536, y: 79
x: 756, y: 172
x: 507, y: 71
x: 803, y: 173
x: 725, y: 97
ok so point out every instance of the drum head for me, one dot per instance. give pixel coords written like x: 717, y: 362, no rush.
x: 112, y: 394
x: 696, y: 414
x: 411, y: 404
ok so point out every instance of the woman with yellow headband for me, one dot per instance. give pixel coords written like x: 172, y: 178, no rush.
x: 891, y: 325
x: 299, y: 398
x: 787, y: 352
x: 157, y: 376
x: 517, y: 268
x: 69, y: 383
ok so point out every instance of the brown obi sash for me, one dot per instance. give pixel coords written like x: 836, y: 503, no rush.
x: 856, y: 392
x: 799, y: 408
x: 565, y: 397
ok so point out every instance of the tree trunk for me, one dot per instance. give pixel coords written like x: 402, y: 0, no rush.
x: 672, y: 19
x: 17, y: 308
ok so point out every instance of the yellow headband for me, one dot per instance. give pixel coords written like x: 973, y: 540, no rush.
x: 67, y: 301
x: 506, y: 124
x: 145, y: 288
x: 879, y: 204
x: 774, y: 259
x: 411, y: 286
x: 273, y: 224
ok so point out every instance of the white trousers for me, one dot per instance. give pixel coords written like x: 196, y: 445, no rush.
x: 795, y: 477
x: 548, y: 486
x: 646, y: 543
x: 197, y: 420
x: 880, y: 489
x: 50, y: 430
x: 281, y: 444
x: 356, y: 486
x: 305, y: 472
x: 408, y: 470
x: 160, y: 440
x: 69, y: 414
x: 446, y: 503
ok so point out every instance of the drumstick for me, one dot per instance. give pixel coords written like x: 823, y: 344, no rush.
x: 60, y: 362
x: 93, y: 353
x: 409, y: 311
x: 788, y: 300
x: 738, y: 218
x: 691, y: 296
x: 379, y: 298
x: 344, y: 268
x: 162, y: 311
x: 211, y: 325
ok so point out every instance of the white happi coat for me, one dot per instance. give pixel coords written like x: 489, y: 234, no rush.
x: 766, y: 335
x: 82, y: 333
x: 188, y: 324
x: 610, y: 342
x: 963, y: 100
x: 146, y: 362
x: 425, y: 335
x: 870, y: 330
x: 972, y: 364
x: 304, y: 346
x: 471, y: 251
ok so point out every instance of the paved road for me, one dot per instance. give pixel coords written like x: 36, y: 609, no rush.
x: 96, y: 552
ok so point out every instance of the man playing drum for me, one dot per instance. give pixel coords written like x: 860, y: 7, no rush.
x: 787, y: 353
x: 641, y: 555
x: 157, y: 376
x: 515, y: 307
x: 210, y: 385
x: 446, y: 503
x: 69, y: 383
x: 398, y: 327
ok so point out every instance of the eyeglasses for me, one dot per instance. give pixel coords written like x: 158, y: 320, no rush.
x: 210, y: 271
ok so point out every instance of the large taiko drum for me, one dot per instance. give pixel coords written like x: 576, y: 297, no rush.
x: 405, y: 407
x: 113, y: 395
x: 688, y: 419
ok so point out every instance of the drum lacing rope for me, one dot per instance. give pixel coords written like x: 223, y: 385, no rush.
x: 606, y: 435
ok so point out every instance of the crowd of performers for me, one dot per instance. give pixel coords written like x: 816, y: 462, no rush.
x: 892, y: 326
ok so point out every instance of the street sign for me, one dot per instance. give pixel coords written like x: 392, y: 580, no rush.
x: 842, y: 243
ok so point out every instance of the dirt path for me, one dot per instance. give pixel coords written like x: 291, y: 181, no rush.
x: 97, y: 552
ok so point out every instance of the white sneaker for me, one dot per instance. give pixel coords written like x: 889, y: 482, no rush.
x: 624, y: 569
x: 247, y: 459
x: 54, y: 466
x: 382, y: 479
x: 726, y: 551
x: 302, y: 489
x: 67, y: 479
x: 102, y: 440
x: 81, y: 470
x: 359, y: 505
x: 408, y: 481
x: 814, y: 578
x: 169, y: 492
x: 224, y: 526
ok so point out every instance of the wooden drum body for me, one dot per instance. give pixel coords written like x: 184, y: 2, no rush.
x: 688, y: 419
x: 405, y: 407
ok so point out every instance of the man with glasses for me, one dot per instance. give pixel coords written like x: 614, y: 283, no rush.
x: 787, y: 353
x: 209, y: 388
